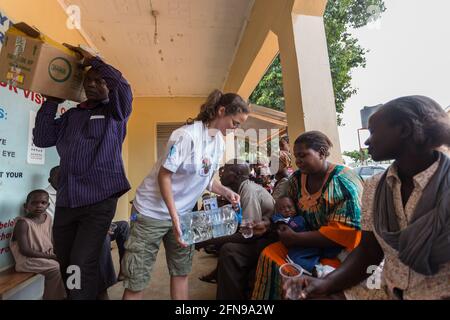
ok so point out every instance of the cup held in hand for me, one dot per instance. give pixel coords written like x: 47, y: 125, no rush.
x: 290, y: 272
x: 247, y: 228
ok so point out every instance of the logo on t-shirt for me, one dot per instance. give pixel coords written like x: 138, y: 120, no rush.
x: 173, y: 151
x: 206, y: 166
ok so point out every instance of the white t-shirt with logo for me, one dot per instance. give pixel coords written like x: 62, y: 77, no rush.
x: 193, y: 155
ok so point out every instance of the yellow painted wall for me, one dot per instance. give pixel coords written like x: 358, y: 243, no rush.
x: 122, y: 211
x: 309, y: 7
x: 147, y: 112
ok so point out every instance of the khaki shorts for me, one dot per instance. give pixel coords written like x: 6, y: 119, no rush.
x: 142, y: 248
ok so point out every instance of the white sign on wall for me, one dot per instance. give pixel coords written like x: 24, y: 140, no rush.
x: 35, y: 155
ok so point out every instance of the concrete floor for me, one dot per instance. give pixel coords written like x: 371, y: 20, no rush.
x: 159, y: 286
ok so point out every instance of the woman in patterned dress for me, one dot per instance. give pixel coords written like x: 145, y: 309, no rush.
x: 327, y: 196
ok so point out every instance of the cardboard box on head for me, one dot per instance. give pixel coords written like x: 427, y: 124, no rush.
x: 32, y: 61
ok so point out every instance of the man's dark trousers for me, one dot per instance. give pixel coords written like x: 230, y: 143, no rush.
x: 78, y: 235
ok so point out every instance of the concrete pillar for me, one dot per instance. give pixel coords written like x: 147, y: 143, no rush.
x: 246, y: 73
x: 308, y: 88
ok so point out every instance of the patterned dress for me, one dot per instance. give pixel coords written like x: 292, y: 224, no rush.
x: 334, y: 211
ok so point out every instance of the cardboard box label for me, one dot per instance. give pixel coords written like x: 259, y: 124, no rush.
x: 21, y: 42
x: 15, y: 76
x: 59, y: 69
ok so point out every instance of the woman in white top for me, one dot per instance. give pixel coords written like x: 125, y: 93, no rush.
x: 172, y: 188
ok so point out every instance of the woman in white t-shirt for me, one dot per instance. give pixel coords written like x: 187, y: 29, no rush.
x: 172, y: 188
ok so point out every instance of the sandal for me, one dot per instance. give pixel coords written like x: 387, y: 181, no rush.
x: 208, y: 278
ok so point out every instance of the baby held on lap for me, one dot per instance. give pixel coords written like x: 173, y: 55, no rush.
x: 306, y: 257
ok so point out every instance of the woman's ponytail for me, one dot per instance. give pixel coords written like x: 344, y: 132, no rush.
x: 232, y: 102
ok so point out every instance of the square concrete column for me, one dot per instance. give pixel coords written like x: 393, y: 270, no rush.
x: 308, y: 88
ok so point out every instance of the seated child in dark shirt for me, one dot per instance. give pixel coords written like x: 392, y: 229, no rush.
x: 307, y: 258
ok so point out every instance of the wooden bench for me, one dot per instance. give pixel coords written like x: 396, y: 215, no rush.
x: 20, y: 285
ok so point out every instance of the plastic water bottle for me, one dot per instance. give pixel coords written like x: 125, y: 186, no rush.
x: 196, y: 227
x: 225, y: 221
x: 186, y: 228
x: 200, y: 226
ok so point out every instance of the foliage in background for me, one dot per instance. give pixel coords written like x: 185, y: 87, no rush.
x: 358, y: 157
x: 343, y: 49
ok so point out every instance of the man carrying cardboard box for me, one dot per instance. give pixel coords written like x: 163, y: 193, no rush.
x: 89, y: 142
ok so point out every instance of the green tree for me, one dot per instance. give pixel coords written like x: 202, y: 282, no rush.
x: 359, y: 157
x: 269, y: 91
x: 343, y: 49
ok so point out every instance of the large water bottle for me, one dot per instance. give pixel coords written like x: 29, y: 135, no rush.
x: 196, y: 227
x: 200, y: 226
x: 186, y: 228
x: 225, y: 221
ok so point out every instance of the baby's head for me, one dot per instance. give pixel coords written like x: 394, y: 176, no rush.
x: 37, y: 202
x: 285, y: 206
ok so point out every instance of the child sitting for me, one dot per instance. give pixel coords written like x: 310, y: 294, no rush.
x: 307, y: 258
x: 32, y: 247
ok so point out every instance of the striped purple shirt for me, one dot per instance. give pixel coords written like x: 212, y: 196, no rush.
x: 89, y: 143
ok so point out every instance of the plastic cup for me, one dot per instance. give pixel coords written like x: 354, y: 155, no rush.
x: 247, y: 228
x: 289, y: 273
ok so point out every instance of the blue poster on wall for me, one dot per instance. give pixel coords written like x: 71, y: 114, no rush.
x: 23, y: 166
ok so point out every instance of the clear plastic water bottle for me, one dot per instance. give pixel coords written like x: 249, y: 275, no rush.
x: 196, y: 227
x: 186, y: 228
x: 225, y: 221
x: 200, y: 226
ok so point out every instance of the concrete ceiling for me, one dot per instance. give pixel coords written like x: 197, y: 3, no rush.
x: 192, y: 53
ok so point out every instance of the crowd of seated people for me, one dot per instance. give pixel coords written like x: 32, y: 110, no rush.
x: 321, y: 217
x: 326, y: 220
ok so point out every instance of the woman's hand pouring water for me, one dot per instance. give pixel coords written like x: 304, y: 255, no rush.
x: 233, y: 198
